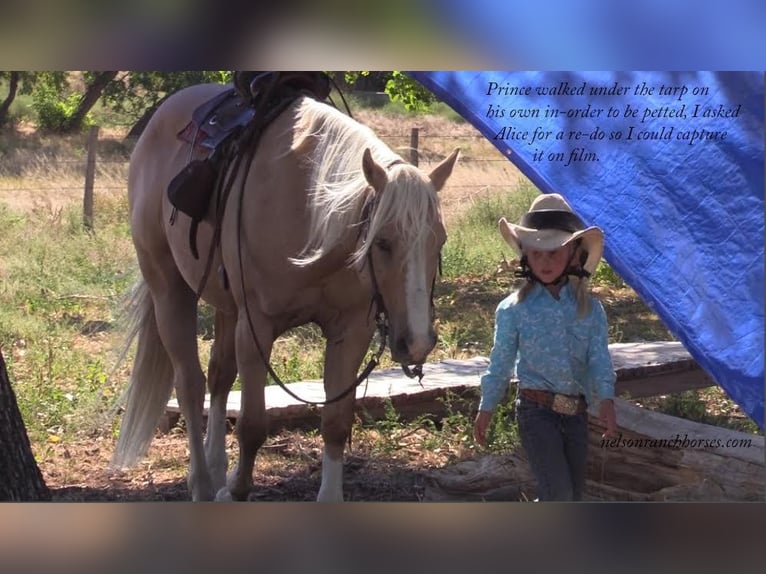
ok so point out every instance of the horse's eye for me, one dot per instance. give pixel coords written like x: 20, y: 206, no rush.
x: 383, y: 244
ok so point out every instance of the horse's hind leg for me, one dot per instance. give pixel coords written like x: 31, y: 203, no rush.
x: 252, y: 424
x: 346, y: 347
x: 175, y: 307
x: 222, y: 370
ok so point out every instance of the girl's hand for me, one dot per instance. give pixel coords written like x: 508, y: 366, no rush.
x: 480, y: 426
x: 608, y: 418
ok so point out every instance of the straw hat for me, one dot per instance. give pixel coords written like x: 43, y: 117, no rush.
x: 549, y: 224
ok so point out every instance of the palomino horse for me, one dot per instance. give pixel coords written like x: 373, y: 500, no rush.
x: 326, y: 221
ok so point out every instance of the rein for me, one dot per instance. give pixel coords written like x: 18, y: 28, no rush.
x: 381, y: 321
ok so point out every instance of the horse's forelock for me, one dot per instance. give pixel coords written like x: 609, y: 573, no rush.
x: 410, y: 203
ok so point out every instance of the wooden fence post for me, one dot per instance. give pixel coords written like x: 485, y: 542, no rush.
x: 414, y: 146
x: 90, y: 175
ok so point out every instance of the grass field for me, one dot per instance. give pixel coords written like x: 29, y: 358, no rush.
x: 62, y: 286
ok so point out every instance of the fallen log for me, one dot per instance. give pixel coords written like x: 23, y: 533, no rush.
x: 655, y: 457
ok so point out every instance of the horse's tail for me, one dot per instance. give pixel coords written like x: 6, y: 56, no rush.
x: 151, y: 381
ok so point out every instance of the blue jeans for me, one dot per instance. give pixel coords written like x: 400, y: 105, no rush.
x: 556, y: 447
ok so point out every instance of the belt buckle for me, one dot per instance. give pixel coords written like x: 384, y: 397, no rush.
x: 565, y: 405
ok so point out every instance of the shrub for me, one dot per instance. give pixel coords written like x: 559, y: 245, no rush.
x: 54, y: 114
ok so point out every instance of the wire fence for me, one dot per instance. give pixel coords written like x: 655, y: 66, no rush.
x: 58, y: 178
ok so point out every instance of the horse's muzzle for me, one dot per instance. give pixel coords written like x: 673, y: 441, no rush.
x: 409, y: 351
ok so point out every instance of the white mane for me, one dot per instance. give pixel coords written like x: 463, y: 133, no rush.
x: 339, y: 189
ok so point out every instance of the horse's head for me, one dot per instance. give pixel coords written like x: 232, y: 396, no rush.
x: 403, y: 246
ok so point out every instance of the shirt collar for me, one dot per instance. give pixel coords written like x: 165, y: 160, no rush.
x: 565, y: 294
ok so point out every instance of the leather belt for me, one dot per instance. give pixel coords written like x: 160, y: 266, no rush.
x: 562, y: 404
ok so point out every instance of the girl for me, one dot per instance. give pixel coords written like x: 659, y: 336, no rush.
x: 552, y: 334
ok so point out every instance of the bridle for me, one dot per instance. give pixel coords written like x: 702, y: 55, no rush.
x: 381, y: 314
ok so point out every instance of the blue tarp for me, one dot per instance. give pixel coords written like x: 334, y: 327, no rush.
x: 671, y: 166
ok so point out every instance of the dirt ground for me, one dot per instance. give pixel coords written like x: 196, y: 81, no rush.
x: 287, y: 469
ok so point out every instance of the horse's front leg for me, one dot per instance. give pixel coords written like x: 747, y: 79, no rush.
x: 252, y: 424
x: 347, y: 344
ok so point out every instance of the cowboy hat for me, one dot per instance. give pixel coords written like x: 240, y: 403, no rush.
x: 549, y: 224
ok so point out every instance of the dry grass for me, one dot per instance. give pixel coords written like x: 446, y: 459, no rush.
x: 40, y: 171
x: 481, y: 171
x: 44, y: 172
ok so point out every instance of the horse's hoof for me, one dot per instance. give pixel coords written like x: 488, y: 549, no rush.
x: 327, y: 496
x: 201, y: 491
x: 205, y: 496
x: 223, y: 495
x: 219, y: 482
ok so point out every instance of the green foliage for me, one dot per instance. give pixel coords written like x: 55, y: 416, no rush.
x: 56, y: 95
x: 298, y: 355
x: 24, y: 80
x: 606, y: 276
x: 402, y: 88
x: 443, y: 110
x: 54, y: 114
x: 456, y: 423
x: 707, y: 406
x: 352, y: 77
x: 388, y: 427
x: 63, y: 392
x: 503, y: 431
x: 686, y: 405
x: 57, y: 81
x: 133, y: 93
x: 451, y: 431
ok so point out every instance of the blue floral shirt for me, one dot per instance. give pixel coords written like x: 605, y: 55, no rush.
x: 547, y: 346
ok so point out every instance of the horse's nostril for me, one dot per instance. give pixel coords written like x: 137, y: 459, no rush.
x: 402, y: 347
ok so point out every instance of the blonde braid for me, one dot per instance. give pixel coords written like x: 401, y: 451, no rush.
x: 581, y: 286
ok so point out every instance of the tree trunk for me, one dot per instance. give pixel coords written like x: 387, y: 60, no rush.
x: 5, y: 106
x: 140, y: 125
x: 89, y: 99
x: 20, y: 477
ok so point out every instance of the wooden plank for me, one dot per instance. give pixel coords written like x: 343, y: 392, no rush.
x: 663, y: 384
x: 408, y: 396
x: 642, y: 370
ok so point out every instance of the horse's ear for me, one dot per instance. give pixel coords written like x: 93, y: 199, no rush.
x: 375, y: 175
x: 441, y: 172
